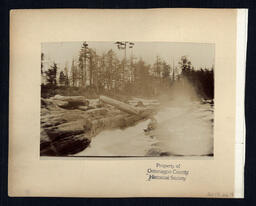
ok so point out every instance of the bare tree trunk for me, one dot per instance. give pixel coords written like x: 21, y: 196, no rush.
x: 120, y: 105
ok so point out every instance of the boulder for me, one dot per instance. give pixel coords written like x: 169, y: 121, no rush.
x: 69, y: 123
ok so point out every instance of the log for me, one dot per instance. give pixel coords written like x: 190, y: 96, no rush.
x: 65, y: 132
x: 121, y: 105
x: 68, y: 102
x: 72, y: 99
x: 97, y: 112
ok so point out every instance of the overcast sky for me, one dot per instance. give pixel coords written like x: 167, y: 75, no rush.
x: 200, y: 54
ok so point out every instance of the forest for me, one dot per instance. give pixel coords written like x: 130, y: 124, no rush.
x: 158, y: 109
x: 92, y: 74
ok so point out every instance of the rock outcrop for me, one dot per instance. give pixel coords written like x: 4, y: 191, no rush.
x: 69, y: 123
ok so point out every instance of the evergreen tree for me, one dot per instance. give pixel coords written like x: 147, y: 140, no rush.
x: 51, y: 75
x: 185, y: 65
x: 74, y: 75
x: 84, y: 53
x: 42, y: 65
x: 66, y: 75
x: 62, y: 78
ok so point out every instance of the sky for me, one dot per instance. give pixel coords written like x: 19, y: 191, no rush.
x: 200, y: 54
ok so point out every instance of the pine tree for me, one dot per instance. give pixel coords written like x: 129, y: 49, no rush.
x: 51, y: 75
x: 84, y: 53
x: 73, y: 74
x: 42, y: 65
x: 62, y: 78
x: 185, y: 65
x: 66, y: 75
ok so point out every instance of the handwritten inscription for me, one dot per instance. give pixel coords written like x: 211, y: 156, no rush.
x: 221, y: 194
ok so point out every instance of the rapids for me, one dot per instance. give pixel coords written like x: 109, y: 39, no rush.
x: 184, y: 129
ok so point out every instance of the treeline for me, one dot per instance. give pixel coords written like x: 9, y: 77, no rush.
x: 202, y: 79
x: 106, y: 73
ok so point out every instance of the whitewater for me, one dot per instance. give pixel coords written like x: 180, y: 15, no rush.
x: 184, y: 128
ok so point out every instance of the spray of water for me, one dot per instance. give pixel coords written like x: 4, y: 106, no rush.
x: 184, y: 128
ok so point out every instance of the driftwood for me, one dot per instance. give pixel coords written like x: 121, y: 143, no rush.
x: 142, y: 112
x: 70, y: 102
x: 71, y: 99
x: 120, y: 105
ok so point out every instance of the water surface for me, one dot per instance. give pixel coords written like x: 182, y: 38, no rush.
x: 184, y: 129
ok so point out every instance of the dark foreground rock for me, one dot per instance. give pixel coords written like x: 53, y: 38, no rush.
x: 69, y: 123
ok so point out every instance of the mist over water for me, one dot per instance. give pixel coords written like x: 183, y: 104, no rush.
x: 173, y: 82
x: 185, y: 128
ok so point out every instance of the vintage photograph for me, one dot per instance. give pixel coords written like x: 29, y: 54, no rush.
x: 127, y: 99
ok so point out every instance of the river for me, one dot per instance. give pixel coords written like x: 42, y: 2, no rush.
x: 184, y: 129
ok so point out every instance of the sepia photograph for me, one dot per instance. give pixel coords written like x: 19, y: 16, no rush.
x: 149, y: 104
x: 127, y: 99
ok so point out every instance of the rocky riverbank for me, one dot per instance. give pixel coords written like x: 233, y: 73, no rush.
x: 69, y: 123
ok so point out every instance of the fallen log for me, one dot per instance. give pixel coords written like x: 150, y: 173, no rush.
x: 65, y: 132
x: 121, y: 105
x: 69, y: 102
x: 72, y: 99
x: 69, y: 98
x: 97, y: 112
x: 138, y: 111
